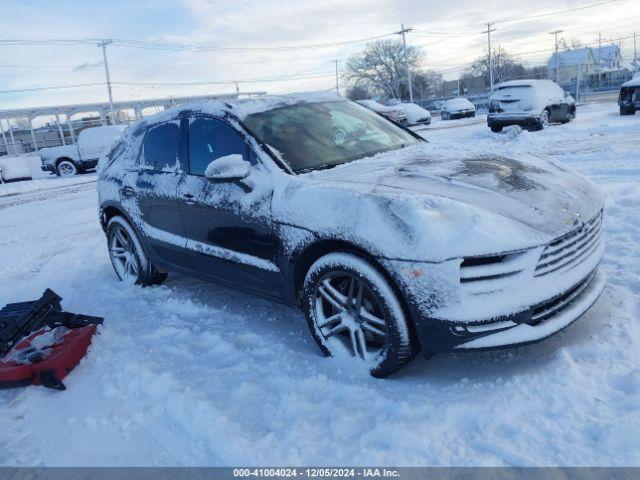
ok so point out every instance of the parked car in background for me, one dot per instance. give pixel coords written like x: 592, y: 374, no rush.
x: 92, y: 143
x: 416, y: 115
x: 388, y: 245
x: 458, y: 107
x: 629, y: 98
x: 434, y: 106
x: 393, y: 113
x: 531, y: 104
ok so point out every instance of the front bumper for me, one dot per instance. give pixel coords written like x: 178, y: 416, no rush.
x: 462, y: 114
x: 506, y: 119
x: 524, y: 328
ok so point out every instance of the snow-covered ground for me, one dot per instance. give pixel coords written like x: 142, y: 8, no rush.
x: 194, y: 374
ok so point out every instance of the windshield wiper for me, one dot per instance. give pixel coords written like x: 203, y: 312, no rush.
x: 323, y: 166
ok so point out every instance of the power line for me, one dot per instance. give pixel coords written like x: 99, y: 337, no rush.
x: 560, y: 12
x: 55, y: 87
x: 190, y: 47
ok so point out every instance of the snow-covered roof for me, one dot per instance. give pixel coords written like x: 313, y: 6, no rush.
x: 244, y: 107
x: 578, y: 56
x: 606, y: 53
x: 525, y: 83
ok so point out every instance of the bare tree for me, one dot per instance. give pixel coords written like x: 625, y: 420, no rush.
x: 505, y: 67
x: 426, y: 83
x: 380, y: 68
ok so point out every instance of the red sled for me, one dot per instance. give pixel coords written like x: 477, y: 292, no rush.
x: 40, y: 344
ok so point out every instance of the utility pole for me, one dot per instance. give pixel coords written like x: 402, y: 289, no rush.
x: 555, y: 34
x: 635, y: 54
x: 104, y: 44
x: 337, y: 87
x: 402, y: 32
x: 488, y: 32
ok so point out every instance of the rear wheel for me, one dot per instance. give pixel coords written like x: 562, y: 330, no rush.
x: 66, y: 168
x: 496, y: 128
x: 353, y: 313
x: 627, y: 111
x: 544, y: 120
x: 127, y: 256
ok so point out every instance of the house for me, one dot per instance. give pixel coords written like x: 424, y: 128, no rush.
x: 608, y: 57
x: 571, y: 65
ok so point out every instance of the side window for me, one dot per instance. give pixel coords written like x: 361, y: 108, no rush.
x: 210, y: 139
x: 161, y: 146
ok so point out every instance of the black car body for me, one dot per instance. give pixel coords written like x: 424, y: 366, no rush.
x: 481, y: 252
x: 629, y: 98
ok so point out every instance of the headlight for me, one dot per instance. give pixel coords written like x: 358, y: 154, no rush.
x: 494, y: 106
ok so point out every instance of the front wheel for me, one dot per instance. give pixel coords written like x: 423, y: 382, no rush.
x: 626, y: 111
x: 496, y: 128
x: 127, y: 256
x: 354, y: 313
x: 445, y: 116
x: 67, y: 168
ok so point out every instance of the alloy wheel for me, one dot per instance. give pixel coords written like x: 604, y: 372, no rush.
x: 123, y: 254
x: 66, y: 169
x: 349, y: 315
x: 544, y: 118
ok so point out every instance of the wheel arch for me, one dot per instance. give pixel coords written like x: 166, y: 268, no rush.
x: 59, y: 160
x: 110, y: 210
x: 303, y: 260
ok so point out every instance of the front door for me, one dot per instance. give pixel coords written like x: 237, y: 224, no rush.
x: 159, y: 173
x: 228, y: 224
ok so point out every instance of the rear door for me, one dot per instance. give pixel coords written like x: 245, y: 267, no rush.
x: 228, y: 224
x: 162, y: 165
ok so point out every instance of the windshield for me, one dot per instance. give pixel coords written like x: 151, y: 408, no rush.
x: 310, y: 136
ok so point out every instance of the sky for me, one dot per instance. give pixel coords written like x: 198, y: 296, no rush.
x: 261, y: 35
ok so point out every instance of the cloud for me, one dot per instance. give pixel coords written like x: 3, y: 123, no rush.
x: 264, y: 23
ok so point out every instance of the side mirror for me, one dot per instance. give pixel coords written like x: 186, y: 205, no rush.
x: 230, y: 168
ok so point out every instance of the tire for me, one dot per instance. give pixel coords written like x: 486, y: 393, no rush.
x: 624, y: 111
x: 66, y: 168
x: 571, y: 116
x: 544, y: 120
x: 445, y: 116
x: 353, y: 312
x: 128, y: 258
x: 496, y: 128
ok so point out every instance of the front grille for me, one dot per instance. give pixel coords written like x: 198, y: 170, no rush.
x: 555, y: 305
x: 572, y: 249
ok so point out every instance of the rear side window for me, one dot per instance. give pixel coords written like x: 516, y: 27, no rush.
x: 161, y: 146
x: 210, y: 139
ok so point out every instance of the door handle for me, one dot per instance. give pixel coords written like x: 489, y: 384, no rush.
x: 189, y: 199
x: 127, y: 191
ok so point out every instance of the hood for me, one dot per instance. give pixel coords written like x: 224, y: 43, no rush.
x: 538, y: 193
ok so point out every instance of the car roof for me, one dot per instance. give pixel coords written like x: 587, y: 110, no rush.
x: 240, y: 108
x: 527, y: 83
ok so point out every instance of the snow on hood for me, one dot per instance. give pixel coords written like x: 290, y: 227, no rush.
x: 439, y: 205
x: 634, y: 82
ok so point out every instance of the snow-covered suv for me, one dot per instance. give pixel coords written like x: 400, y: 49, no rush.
x: 68, y: 160
x: 388, y: 243
x: 530, y: 104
